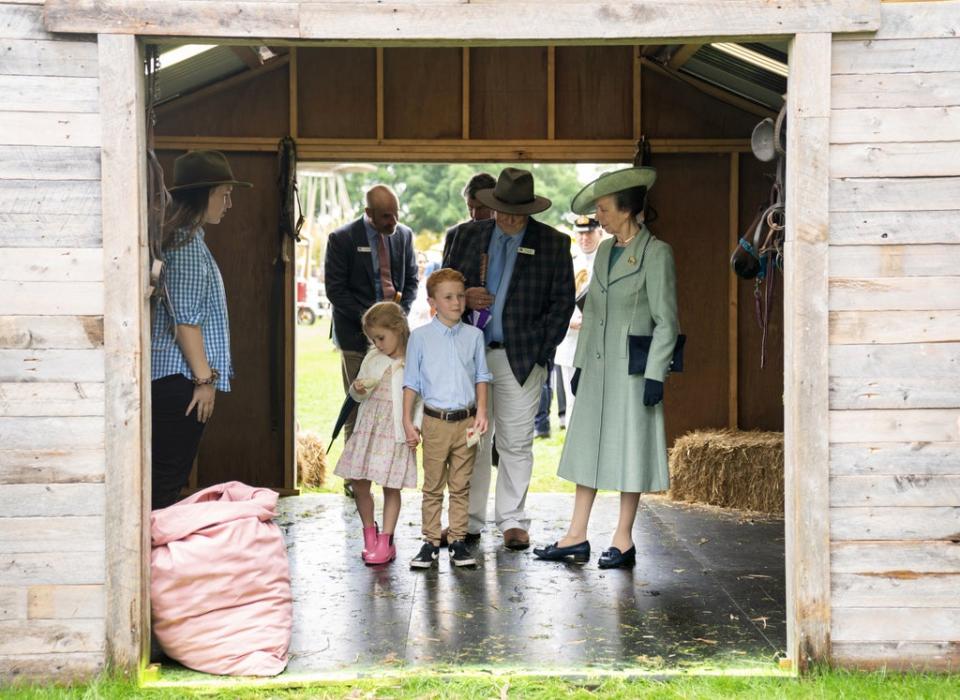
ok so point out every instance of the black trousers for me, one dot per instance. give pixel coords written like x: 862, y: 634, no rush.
x: 176, y: 437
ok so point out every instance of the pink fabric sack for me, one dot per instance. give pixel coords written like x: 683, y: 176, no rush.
x: 220, y: 582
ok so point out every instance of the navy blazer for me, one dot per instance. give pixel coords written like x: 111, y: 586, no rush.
x: 540, y: 299
x: 349, y: 278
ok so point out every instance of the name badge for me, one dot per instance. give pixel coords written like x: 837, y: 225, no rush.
x: 363, y: 249
x: 526, y: 251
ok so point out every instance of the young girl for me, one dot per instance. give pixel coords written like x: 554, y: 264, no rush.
x: 377, y: 449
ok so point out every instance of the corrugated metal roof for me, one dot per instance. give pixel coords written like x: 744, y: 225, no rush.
x: 197, y: 71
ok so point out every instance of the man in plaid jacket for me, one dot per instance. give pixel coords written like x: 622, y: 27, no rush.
x: 520, y: 291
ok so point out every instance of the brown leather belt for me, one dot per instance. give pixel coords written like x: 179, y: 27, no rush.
x: 451, y: 416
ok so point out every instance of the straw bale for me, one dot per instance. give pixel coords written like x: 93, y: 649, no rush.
x: 729, y: 468
x: 311, y: 459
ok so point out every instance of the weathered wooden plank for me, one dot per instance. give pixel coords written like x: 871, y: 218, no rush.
x: 44, y: 636
x: 909, y: 21
x: 913, y: 159
x: 894, y: 392
x: 13, y: 603
x: 49, y: 196
x: 894, y: 260
x: 49, y: 129
x: 895, y: 624
x: 900, y: 490
x: 932, y: 360
x: 863, y: 327
x: 55, y: 568
x: 52, y: 298
x: 896, y: 56
x: 894, y: 558
x: 905, y: 124
x: 894, y: 591
x: 46, y: 668
x: 51, y: 433
x: 65, y: 602
x: 805, y: 333
x: 895, y: 90
x: 45, y: 466
x: 930, y: 424
x: 52, y: 534
x: 56, y: 230
x: 895, y: 458
x: 897, y: 656
x: 492, y: 19
x: 22, y: 22
x: 52, y: 365
x: 36, y: 93
x: 922, y: 524
x: 126, y: 344
x: 894, y: 227
x: 48, y: 162
x: 51, y: 332
x: 51, y: 399
x: 25, y: 500
x: 68, y: 59
x: 895, y: 194
x: 52, y: 265
x: 894, y: 293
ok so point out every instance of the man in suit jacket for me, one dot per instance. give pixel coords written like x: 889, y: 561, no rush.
x: 369, y: 260
x: 520, y: 289
x: 477, y: 210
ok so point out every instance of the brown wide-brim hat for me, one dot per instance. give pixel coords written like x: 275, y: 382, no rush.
x: 513, y: 194
x: 198, y: 169
x: 584, y: 202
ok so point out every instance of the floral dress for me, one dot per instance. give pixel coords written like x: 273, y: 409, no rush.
x: 372, y: 452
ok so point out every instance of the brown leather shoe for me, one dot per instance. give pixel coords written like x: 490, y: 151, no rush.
x: 516, y: 538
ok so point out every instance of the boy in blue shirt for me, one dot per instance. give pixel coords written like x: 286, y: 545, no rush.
x: 446, y: 364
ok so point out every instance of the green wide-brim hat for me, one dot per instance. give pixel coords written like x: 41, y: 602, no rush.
x: 610, y: 183
x: 203, y: 169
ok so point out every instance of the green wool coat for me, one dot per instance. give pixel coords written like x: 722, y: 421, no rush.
x: 613, y: 441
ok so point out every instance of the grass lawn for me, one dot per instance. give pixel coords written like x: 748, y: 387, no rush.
x: 828, y: 685
x: 319, y: 395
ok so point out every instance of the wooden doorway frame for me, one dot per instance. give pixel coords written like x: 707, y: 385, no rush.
x: 809, y: 25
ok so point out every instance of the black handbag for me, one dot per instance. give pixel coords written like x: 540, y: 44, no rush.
x: 638, y: 346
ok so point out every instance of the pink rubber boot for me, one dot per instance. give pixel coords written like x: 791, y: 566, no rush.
x: 385, y: 551
x: 369, y: 540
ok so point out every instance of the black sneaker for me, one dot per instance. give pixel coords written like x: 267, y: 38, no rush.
x: 426, y: 558
x: 460, y: 555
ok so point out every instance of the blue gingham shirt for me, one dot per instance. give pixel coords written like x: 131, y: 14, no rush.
x: 444, y: 365
x: 196, y: 292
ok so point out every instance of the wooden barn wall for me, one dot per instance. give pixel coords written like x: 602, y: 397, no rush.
x: 52, y: 456
x: 423, y: 98
x: 894, y: 305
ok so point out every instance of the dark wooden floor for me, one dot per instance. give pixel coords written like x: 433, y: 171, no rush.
x: 707, y: 591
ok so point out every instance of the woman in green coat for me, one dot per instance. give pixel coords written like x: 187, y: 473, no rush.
x: 615, y: 439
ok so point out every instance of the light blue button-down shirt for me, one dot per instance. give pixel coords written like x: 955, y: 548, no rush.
x: 198, y: 299
x: 373, y: 238
x: 500, y: 241
x: 445, y: 364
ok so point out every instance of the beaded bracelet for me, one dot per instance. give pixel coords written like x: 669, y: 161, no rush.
x: 212, y: 379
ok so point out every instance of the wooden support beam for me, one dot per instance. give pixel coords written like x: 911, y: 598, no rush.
x: 247, y: 54
x: 126, y: 321
x: 733, y: 222
x: 465, y: 100
x: 294, y: 93
x: 380, y: 105
x: 682, y: 55
x: 582, y: 21
x: 551, y: 93
x: 807, y: 428
x: 637, y: 93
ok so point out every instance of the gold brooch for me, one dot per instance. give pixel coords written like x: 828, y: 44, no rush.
x: 632, y: 260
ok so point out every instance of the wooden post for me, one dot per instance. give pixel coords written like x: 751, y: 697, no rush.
x: 465, y: 104
x: 551, y: 93
x: 732, y: 291
x: 380, y: 105
x: 637, y: 93
x: 805, y: 340
x: 126, y: 343
x: 292, y: 81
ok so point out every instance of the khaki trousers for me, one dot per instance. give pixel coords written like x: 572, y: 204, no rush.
x: 447, y: 461
x: 350, y: 361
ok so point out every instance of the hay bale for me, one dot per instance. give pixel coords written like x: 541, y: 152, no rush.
x: 729, y: 468
x: 311, y: 459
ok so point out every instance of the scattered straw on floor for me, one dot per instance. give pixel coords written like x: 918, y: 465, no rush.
x: 311, y: 459
x: 729, y: 468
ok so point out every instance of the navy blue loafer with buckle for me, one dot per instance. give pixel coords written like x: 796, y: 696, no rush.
x: 613, y: 558
x: 579, y: 553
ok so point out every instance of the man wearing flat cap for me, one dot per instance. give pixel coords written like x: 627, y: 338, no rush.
x: 520, y: 291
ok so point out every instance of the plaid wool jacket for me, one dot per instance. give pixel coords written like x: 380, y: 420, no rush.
x: 540, y: 299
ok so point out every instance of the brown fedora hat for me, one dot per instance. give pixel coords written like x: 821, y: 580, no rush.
x: 513, y: 194
x: 203, y: 169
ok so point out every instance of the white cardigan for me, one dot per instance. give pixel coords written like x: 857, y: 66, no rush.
x: 375, y: 364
